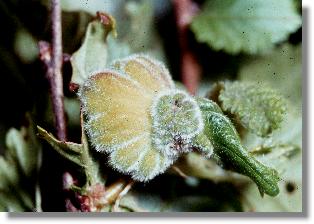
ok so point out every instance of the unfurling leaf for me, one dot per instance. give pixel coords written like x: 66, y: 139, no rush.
x: 245, y: 26
x: 135, y: 113
x: 92, y: 55
x: 228, y: 147
x: 260, y: 109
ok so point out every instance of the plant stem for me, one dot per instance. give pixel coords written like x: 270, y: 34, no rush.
x: 91, y: 169
x: 52, y: 56
x: 190, y: 68
x: 56, y: 82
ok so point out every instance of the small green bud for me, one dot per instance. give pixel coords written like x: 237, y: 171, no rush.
x: 227, y: 145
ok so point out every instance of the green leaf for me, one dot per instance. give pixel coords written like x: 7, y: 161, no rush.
x: 69, y: 150
x: 92, y: 55
x: 281, y: 70
x: 245, y: 26
x: 23, y: 146
x: 18, y: 170
x: 260, y: 109
x: 77, y: 153
x: 229, y: 149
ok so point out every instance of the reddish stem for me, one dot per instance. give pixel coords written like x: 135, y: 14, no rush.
x: 52, y: 56
x: 190, y: 69
x: 56, y: 82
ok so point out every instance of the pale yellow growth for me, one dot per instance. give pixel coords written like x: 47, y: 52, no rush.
x: 118, y: 104
x: 151, y: 75
x: 126, y: 157
x: 121, y: 119
x: 150, y: 163
x: 139, y: 73
x: 157, y: 70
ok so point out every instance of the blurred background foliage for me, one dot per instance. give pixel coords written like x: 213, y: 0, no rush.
x: 250, y: 45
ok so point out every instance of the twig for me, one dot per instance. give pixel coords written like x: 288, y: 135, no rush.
x: 56, y: 81
x: 53, y: 58
x: 190, y: 69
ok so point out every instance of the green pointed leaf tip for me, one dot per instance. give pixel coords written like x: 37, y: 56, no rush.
x: 69, y: 150
x: 77, y: 153
x: 92, y: 55
x: 227, y: 145
x: 288, y: 161
x: 260, y: 109
x: 245, y: 26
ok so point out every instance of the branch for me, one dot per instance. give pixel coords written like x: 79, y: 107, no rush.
x: 53, y: 59
x: 190, y: 69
